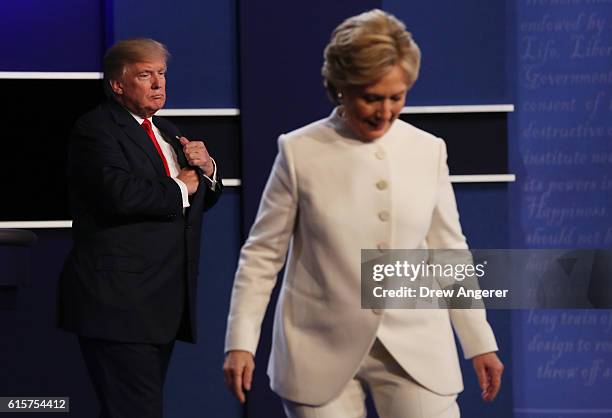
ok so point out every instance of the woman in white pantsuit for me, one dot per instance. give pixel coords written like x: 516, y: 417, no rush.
x: 358, y: 179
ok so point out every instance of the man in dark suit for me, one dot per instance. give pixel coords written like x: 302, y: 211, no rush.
x: 138, y: 192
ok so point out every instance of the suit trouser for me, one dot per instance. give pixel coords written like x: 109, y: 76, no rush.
x: 394, y: 392
x: 128, y: 378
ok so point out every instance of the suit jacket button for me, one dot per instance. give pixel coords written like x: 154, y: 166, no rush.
x: 188, y: 226
x: 381, y: 185
x: 377, y: 311
x: 384, y: 216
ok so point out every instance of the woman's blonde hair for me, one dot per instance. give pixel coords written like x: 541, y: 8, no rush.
x: 363, y: 48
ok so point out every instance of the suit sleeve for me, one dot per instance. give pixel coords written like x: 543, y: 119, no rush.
x: 474, y: 332
x: 263, y: 255
x: 100, y: 175
x: 212, y: 195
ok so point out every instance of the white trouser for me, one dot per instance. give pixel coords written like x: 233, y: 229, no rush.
x: 395, y: 394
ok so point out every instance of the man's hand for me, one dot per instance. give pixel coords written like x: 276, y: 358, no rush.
x: 189, y: 176
x: 489, y: 370
x: 238, y: 370
x: 197, y: 155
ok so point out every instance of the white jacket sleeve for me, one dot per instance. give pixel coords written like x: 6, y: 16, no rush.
x: 263, y: 254
x: 470, y: 325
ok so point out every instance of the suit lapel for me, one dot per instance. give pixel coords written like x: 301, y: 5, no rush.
x: 170, y: 132
x: 138, y: 135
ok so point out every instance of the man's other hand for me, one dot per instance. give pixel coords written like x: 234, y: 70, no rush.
x: 189, y: 176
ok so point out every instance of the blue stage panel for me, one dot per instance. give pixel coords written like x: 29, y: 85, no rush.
x: 202, y: 38
x: 41, y: 35
x: 463, y: 44
x: 195, y: 386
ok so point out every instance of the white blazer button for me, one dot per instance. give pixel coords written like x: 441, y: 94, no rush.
x: 382, y: 246
x: 380, y: 155
x: 384, y: 216
x: 377, y: 311
x: 381, y: 185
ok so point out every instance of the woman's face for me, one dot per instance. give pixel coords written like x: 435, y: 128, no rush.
x: 370, y: 110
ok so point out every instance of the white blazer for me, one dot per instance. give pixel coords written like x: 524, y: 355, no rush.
x: 328, y: 197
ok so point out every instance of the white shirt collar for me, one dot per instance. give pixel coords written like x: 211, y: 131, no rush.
x: 139, y: 119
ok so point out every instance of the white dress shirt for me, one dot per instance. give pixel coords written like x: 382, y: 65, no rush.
x: 172, y: 161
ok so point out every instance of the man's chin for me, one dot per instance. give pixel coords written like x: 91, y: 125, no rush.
x: 154, y: 108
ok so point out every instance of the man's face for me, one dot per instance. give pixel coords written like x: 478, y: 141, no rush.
x: 142, y: 87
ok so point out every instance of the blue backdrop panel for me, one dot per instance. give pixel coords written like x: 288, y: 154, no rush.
x: 41, y: 35
x: 281, y: 54
x: 474, y: 199
x: 464, y: 50
x: 195, y: 387
x: 201, y: 37
x: 563, y: 134
x: 36, y: 358
x: 491, y: 231
x: 562, y: 359
x: 470, y: 402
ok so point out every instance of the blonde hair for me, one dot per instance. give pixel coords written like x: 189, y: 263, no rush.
x: 130, y: 51
x: 363, y: 48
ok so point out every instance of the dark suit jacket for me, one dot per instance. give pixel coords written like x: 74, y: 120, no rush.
x: 133, y: 268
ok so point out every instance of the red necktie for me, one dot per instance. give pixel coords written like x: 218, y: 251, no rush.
x: 146, y: 125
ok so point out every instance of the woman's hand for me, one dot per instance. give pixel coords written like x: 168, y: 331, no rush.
x: 489, y: 370
x: 238, y: 370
